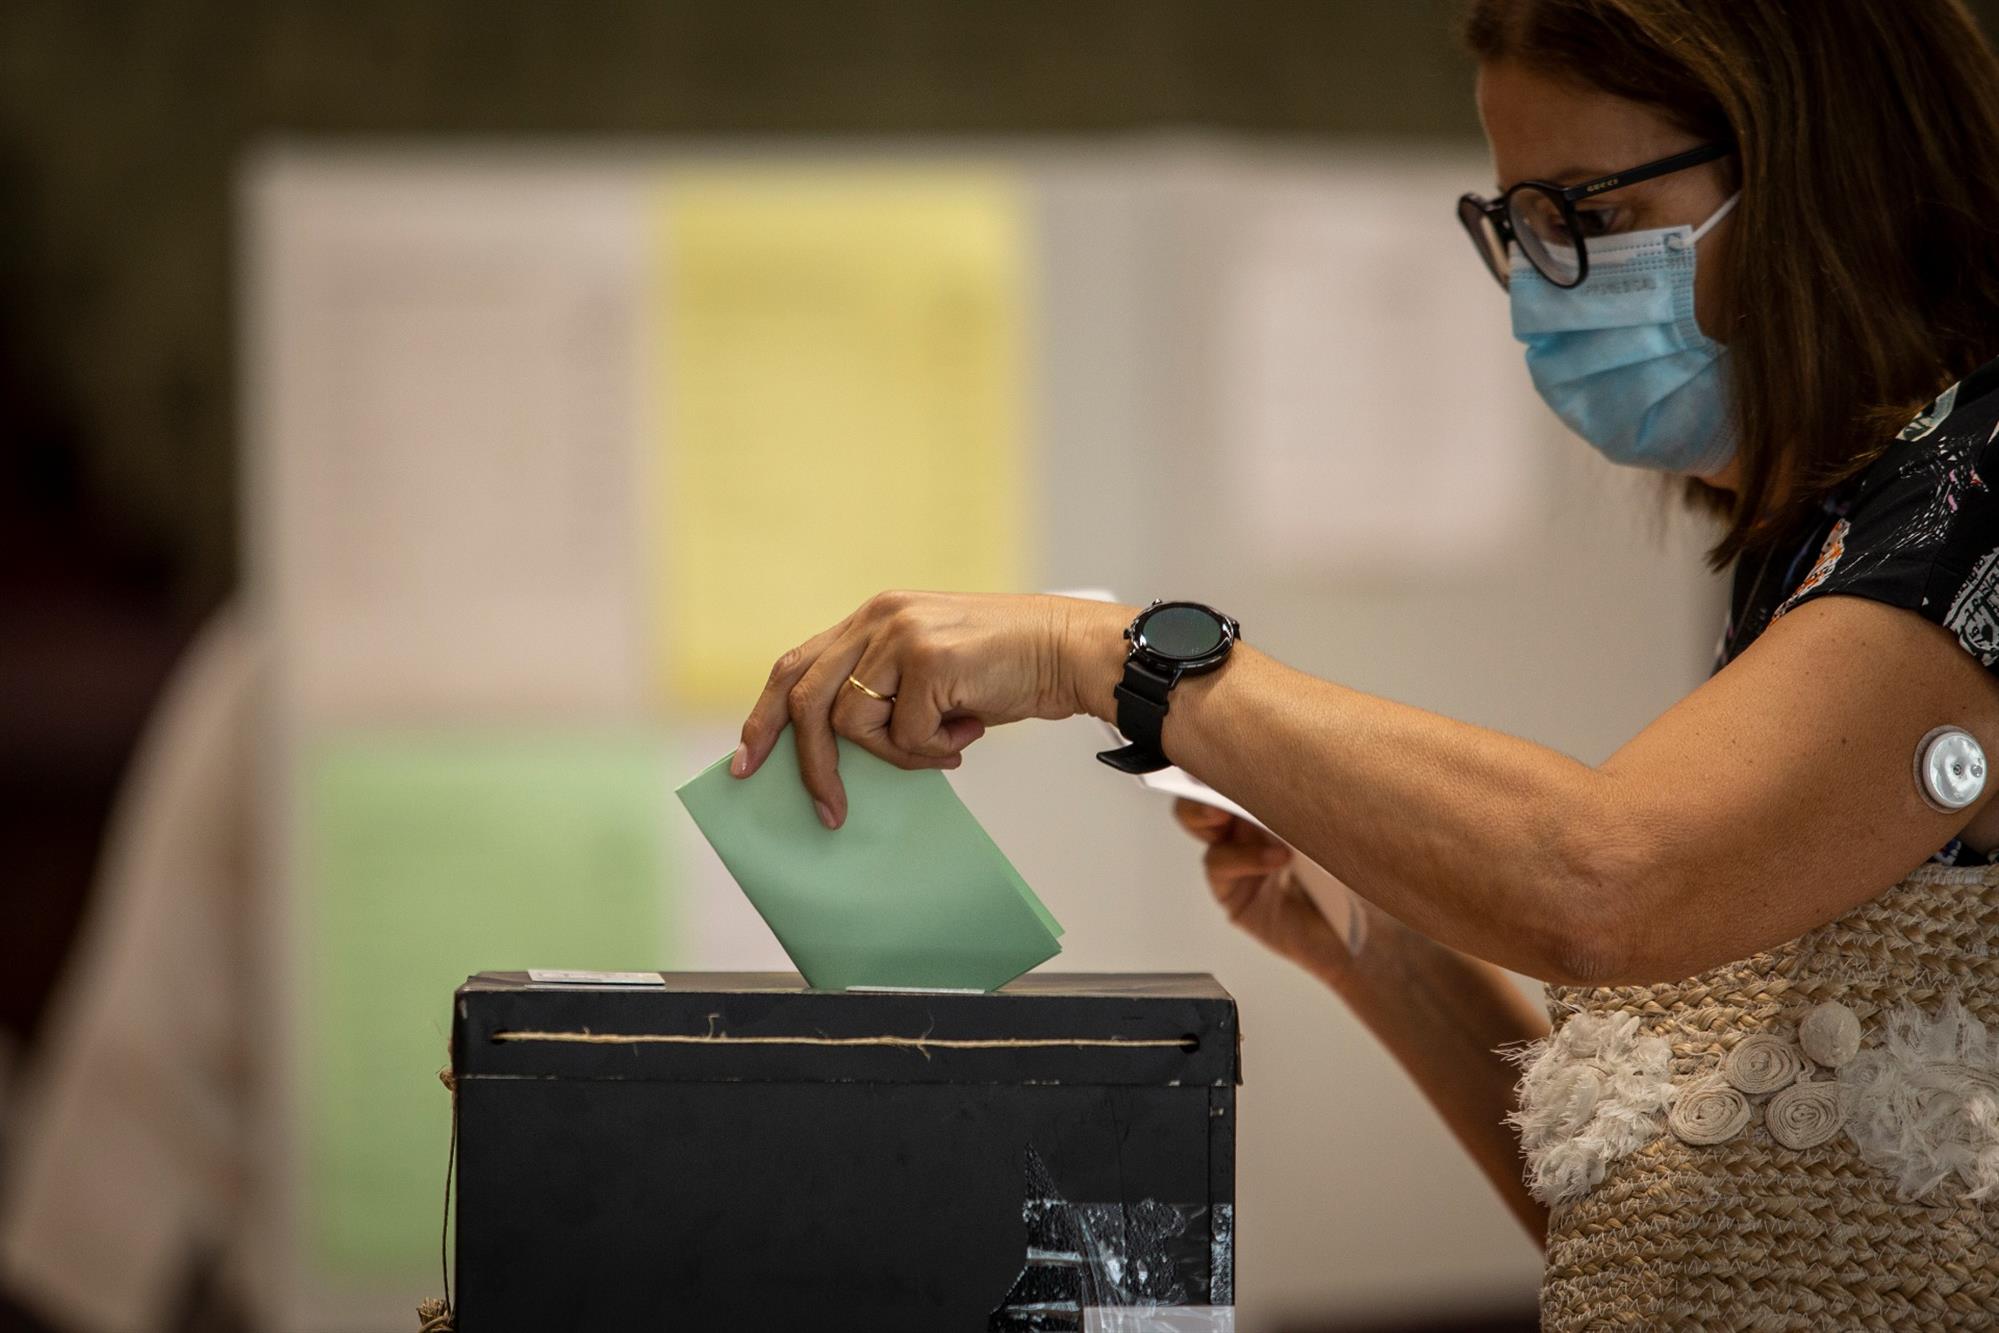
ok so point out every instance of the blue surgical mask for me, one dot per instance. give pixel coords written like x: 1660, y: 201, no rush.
x: 1622, y: 360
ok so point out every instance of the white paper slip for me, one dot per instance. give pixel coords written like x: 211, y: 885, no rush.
x: 1179, y: 782
x: 597, y: 978
x: 1172, y: 781
x: 1336, y: 902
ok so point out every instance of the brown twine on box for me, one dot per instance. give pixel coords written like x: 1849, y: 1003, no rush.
x: 433, y: 1315
x: 919, y: 1044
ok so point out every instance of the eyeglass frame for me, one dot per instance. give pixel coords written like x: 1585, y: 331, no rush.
x: 1497, y: 212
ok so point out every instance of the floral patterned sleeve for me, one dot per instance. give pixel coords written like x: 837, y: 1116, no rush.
x: 1920, y: 531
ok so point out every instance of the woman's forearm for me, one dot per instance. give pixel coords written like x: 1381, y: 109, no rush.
x: 1444, y: 1016
x: 1487, y: 843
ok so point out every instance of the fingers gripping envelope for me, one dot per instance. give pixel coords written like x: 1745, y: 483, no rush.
x: 909, y: 893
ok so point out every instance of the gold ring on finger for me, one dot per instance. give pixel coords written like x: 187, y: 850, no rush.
x: 872, y: 694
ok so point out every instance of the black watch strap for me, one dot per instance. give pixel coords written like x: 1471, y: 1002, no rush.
x: 1141, y: 715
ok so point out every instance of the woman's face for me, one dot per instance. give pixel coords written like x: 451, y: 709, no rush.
x: 1547, y: 129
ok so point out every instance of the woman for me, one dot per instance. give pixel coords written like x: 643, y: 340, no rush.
x: 1744, y: 241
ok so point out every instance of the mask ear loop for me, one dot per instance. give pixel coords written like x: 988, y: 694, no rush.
x: 1675, y: 238
x: 1717, y: 216
x: 1725, y: 445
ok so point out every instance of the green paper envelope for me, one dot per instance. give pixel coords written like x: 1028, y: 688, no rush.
x: 910, y: 892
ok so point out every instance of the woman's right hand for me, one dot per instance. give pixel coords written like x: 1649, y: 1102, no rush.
x: 1250, y: 874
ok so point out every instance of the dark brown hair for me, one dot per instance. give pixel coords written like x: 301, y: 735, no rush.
x: 1863, y: 267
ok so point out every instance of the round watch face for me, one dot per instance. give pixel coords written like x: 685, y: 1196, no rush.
x: 1182, y: 632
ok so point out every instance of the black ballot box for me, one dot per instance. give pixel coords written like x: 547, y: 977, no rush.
x: 734, y: 1151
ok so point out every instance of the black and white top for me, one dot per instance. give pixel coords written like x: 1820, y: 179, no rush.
x: 1919, y: 529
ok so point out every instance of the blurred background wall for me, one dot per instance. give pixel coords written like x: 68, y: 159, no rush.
x: 121, y: 128
x: 123, y: 131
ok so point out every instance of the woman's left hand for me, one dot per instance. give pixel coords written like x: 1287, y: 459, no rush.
x: 950, y: 664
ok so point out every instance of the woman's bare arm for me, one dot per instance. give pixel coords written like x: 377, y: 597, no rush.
x: 1445, y: 1017
x: 1772, y: 799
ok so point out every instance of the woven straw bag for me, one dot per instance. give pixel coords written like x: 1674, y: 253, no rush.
x: 1747, y: 1233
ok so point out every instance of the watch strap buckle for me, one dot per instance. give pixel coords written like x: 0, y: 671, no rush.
x: 1141, y: 716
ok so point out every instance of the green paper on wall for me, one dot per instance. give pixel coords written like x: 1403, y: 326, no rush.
x: 909, y: 892
x: 426, y: 857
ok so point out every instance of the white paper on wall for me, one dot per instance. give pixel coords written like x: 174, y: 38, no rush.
x: 1374, y: 409
x: 447, y: 437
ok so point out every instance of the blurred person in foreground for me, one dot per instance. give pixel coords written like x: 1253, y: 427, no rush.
x: 1753, y: 244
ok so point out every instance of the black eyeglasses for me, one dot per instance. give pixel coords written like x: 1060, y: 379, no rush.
x: 1543, y: 218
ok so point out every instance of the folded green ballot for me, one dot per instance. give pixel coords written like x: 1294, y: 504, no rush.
x: 910, y: 892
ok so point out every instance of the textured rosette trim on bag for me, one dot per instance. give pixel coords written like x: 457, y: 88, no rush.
x: 1805, y: 1114
x: 1590, y: 1092
x: 1709, y: 1112
x: 1924, y: 1103
x: 1762, y: 1062
x: 1921, y: 1105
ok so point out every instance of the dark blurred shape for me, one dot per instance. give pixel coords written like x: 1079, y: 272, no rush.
x: 87, y: 633
x: 202, y: 1309
x: 13, y: 1319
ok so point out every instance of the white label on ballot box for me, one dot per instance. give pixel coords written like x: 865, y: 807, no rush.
x: 1159, y: 1319
x: 598, y: 978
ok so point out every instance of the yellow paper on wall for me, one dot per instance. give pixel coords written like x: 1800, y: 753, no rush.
x: 842, y: 399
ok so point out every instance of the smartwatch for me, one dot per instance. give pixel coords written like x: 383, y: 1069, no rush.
x: 1168, y: 640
